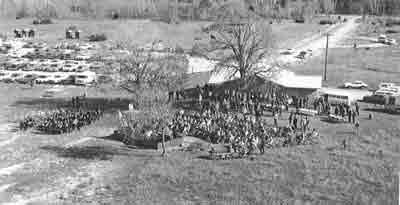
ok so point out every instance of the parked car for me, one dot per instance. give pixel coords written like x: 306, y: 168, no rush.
x: 4, y: 75
x: 26, y: 79
x: 16, y: 76
x: 356, y: 84
x: 58, y: 78
x: 43, y: 79
x: 302, y: 55
x: 386, y: 85
x: 289, y: 51
x: 85, y: 78
x: 382, y: 39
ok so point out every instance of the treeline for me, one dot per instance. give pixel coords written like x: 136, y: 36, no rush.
x: 193, y: 9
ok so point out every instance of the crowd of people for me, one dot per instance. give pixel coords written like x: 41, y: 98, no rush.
x: 63, y: 120
x: 227, y: 99
x: 244, y: 133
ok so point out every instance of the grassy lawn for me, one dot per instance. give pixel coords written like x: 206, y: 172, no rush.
x: 318, y: 174
x: 371, y: 66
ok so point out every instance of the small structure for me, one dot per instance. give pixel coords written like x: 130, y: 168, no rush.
x: 345, y: 96
x: 68, y: 34
x: 77, y: 34
x: 297, y: 85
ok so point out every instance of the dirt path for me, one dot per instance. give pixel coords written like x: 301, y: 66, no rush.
x: 317, y: 43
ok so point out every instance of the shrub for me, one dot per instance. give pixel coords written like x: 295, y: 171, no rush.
x: 326, y: 22
x: 391, y: 31
x: 42, y: 21
x: 97, y: 37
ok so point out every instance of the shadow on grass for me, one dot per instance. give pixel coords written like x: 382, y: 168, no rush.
x: 107, y: 104
x: 133, y: 144
x: 86, y: 152
x: 381, y: 110
x: 332, y: 122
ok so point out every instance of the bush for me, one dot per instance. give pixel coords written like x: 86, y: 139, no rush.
x: 97, y: 37
x: 326, y: 22
x: 392, y: 21
x: 391, y: 31
x: 42, y: 21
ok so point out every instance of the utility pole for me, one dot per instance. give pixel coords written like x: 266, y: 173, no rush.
x: 326, y: 55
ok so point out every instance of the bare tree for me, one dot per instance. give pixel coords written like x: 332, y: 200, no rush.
x: 243, y: 46
x: 328, y: 6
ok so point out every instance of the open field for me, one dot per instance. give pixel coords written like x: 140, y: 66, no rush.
x: 140, y: 32
x: 106, y: 172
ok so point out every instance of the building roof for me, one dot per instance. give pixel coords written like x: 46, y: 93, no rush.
x: 289, y: 79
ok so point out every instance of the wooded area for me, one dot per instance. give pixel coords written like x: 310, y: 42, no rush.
x: 192, y: 9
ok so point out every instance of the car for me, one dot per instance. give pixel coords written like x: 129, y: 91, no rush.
x: 13, y: 67
x: 43, y: 79
x: 16, y: 76
x: 69, y: 68
x: 4, y: 75
x: 356, y: 84
x: 85, y: 78
x: 391, y: 42
x: 302, y: 55
x: 48, y: 94
x: 59, y: 79
x: 382, y: 39
x: 386, y: 85
x: 29, y: 67
x: 288, y: 51
x: 82, y: 68
x: 26, y: 79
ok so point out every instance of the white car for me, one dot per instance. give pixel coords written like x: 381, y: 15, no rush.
x: 85, y: 78
x: 58, y: 78
x: 5, y: 75
x: 356, y: 84
x: 382, y: 39
x: 43, y: 78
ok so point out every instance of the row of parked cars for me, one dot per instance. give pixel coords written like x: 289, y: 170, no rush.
x: 49, y: 65
x: 85, y: 78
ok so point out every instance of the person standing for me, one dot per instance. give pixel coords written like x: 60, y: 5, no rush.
x: 276, y: 120
x: 290, y: 118
x: 295, y: 122
x: 357, y: 126
x: 357, y: 109
x: 349, y: 115
x: 353, y: 113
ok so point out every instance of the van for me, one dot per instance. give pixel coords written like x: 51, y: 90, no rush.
x: 386, y: 85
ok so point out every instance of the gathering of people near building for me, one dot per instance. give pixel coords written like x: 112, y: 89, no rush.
x: 243, y: 133
x: 76, y: 115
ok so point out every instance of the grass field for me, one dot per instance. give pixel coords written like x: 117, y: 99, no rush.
x: 319, y: 174
x: 372, y: 66
x: 140, y: 32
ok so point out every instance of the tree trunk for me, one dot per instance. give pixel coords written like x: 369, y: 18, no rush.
x: 163, y: 143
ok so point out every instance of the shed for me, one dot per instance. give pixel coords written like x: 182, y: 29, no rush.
x: 297, y: 85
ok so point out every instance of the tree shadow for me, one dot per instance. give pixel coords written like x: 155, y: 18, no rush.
x: 86, y: 152
x: 132, y: 144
